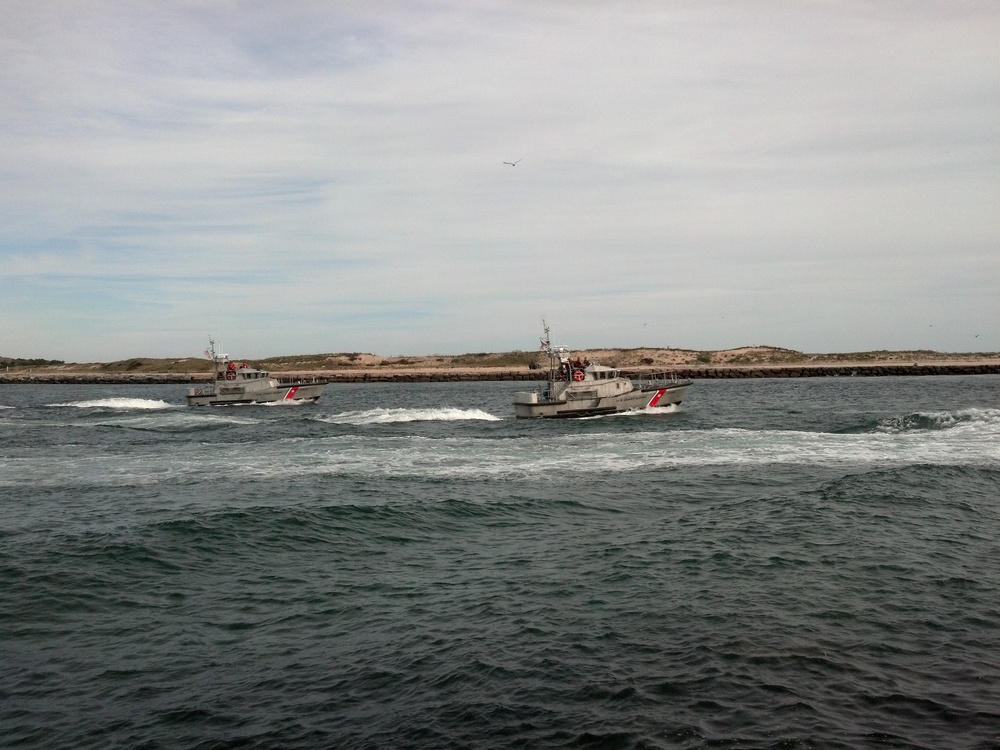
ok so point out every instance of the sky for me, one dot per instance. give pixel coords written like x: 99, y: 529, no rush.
x: 299, y: 176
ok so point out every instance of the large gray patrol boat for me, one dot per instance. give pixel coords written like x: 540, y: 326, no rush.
x: 240, y: 383
x: 576, y: 388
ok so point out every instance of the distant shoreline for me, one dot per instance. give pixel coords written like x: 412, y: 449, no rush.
x: 473, y: 374
x: 361, y: 367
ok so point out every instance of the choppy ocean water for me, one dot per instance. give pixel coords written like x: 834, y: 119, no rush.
x: 779, y: 563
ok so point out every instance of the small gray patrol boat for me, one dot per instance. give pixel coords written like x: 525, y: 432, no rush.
x: 240, y: 383
x: 578, y: 388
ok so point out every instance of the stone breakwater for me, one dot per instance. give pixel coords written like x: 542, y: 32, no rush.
x: 827, y: 371
x: 473, y: 375
x: 91, y: 378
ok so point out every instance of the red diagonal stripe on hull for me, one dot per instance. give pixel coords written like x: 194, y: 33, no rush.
x: 291, y: 393
x: 656, y: 399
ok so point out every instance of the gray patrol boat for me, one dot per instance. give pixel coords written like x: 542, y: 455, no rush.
x: 240, y: 383
x: 576, y: 388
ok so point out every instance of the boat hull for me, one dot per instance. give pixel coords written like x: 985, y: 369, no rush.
x: 235, y: 395
x: 579, y: 404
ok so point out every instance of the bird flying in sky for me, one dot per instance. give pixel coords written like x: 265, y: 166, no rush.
x: 513, y: 163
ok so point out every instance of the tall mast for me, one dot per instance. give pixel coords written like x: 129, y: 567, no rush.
x: 547, y: 346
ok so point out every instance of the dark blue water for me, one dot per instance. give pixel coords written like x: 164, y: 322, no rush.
x: 778, y: 564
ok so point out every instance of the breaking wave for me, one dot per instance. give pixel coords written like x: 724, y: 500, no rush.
x: 943, y: 420
x: 120, y: 402
x: 390, y: 416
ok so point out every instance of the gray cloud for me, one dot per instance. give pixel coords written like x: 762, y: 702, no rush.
x: 817, y: 175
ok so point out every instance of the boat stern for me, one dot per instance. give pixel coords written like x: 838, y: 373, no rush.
x: 526, y: 397
x: 526, y: 404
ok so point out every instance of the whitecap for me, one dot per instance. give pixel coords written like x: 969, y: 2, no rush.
x: 970, y: 418
x: 120, y: 402
x: 390, y: 416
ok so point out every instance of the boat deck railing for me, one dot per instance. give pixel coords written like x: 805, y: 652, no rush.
x: 286, y: 380
x: 651, y: 379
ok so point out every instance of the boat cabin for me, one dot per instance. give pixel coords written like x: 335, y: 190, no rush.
x: 242, y: 371
x: 580, y: 371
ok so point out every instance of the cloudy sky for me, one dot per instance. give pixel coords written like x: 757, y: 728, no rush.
x: 323, y: 176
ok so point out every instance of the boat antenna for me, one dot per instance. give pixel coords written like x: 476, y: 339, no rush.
x: 211, y: 352
x: 545, y: 343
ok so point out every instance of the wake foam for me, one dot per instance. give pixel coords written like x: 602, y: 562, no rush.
x: 120, y: 402
x: 179, y: 420
x: 390, y: 416
x: 942, y: 420
x: 646, y: 410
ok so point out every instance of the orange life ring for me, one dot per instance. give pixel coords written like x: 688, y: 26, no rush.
x: 230, y: 375
x: 578, y: 375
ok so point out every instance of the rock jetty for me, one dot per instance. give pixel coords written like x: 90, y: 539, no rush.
x: 517, y: 374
